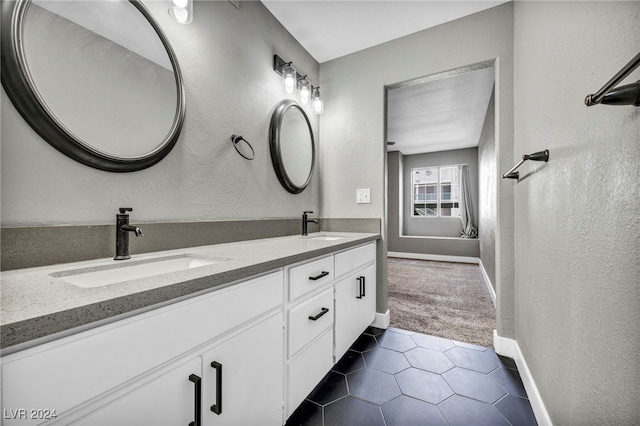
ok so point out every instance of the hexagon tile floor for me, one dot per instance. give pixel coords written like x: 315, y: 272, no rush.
x: 395, y: 377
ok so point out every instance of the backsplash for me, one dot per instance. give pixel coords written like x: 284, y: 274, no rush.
x: 26, y: 247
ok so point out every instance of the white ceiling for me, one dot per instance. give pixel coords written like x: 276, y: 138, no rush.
x: 332, y: 28
x: 439, y: 115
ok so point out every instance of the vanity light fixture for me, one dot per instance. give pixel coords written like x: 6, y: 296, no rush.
x: 181, y: 11
x: 304, y: 90
x: 307, y: 92
x: 317, y: 101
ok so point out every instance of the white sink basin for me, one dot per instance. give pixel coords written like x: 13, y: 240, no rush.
x: 324, y: 237
x: 111, y: 274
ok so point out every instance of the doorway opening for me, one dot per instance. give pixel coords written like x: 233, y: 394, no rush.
x: 437, y: 126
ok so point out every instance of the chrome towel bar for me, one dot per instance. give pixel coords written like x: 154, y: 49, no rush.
x: 623, y: 95
x: 536, y: 156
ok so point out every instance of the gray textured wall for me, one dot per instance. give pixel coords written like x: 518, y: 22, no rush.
x: 226, y: 56
x: 577, y: 216
x: 487, y: 178
x: 352, y: 126
x: 438, y: 226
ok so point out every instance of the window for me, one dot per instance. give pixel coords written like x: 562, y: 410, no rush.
x: 436, y: 191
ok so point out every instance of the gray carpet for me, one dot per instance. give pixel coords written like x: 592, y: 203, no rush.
x: 442, y: 299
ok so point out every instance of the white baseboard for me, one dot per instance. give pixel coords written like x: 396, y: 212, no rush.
x: 382, y: 320
x: 510, y: 348
x: 436, y: 257
x: 487, y: 281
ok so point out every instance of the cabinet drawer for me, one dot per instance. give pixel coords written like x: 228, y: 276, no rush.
x: 351, y: 260
x: 64, y: 373
x: 302, y: 328
x: 307, y: 369
x: 310, y: 276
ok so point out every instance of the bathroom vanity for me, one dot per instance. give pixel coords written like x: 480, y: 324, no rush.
x: 240, y: 351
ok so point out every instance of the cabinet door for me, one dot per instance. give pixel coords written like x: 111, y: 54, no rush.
x: 170, y: 398
x: 243, y: 379
x: 346, y: 328
x: 367, y: 303
x: 355, y: 307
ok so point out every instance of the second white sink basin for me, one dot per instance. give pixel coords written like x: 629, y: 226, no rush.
x: 111, y: 274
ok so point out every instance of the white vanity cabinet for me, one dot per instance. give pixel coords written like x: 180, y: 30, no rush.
x: 145, y: 357
x: 309, y: 327
x: 355, y: 295
x: 244, y: 354
x: 331, y: 301
x: 237, y: 381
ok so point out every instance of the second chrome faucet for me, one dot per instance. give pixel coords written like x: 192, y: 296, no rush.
x: 305, y: 221
x: 122, y: 233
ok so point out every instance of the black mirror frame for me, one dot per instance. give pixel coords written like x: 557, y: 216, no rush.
x: 275, y: 146
x: 20, y: 89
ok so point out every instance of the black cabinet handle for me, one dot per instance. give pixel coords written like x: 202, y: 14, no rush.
x: 360, y: 280
x: 322, y: 312
x: 317, y: 277
x: 197, y: 381
x: 217, y: 407
x: 364, y: 287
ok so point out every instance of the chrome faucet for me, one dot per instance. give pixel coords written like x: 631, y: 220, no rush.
x: 122, y: 233
x: 305, y: 221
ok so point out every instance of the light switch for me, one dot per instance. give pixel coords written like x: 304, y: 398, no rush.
x: 363, y: 196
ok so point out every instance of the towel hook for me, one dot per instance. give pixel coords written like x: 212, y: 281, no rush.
x: 536, y: 156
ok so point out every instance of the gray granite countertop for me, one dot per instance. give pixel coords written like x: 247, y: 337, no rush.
x: 37, y: 305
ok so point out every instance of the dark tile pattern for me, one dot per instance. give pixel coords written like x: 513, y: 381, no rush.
x: 386, y: 360
x: 373, y: 385
x: 398, y: 377
x: 429, y: 360
x: 352, y: 411
x: 406, y: 411
x: 331, y: 388
x: 429, y: 387
x: 350, y: 362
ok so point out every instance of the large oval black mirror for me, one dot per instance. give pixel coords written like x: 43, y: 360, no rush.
x: 292, y: 147
x: 97, y: 79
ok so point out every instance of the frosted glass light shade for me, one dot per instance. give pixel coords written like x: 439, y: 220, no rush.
x: 304, y: 91
x: 317, y: 102
x: 182, y: 11
x: 289, y: 78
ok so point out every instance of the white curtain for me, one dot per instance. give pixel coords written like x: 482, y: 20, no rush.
x: 466, y: 206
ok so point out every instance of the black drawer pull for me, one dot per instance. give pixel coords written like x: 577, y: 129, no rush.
x: 322, y: 312
x: 364, y: 287
x: 217, y: 407
x: 360, y: 284
x: 317, y: 277
x: 197, y: 381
